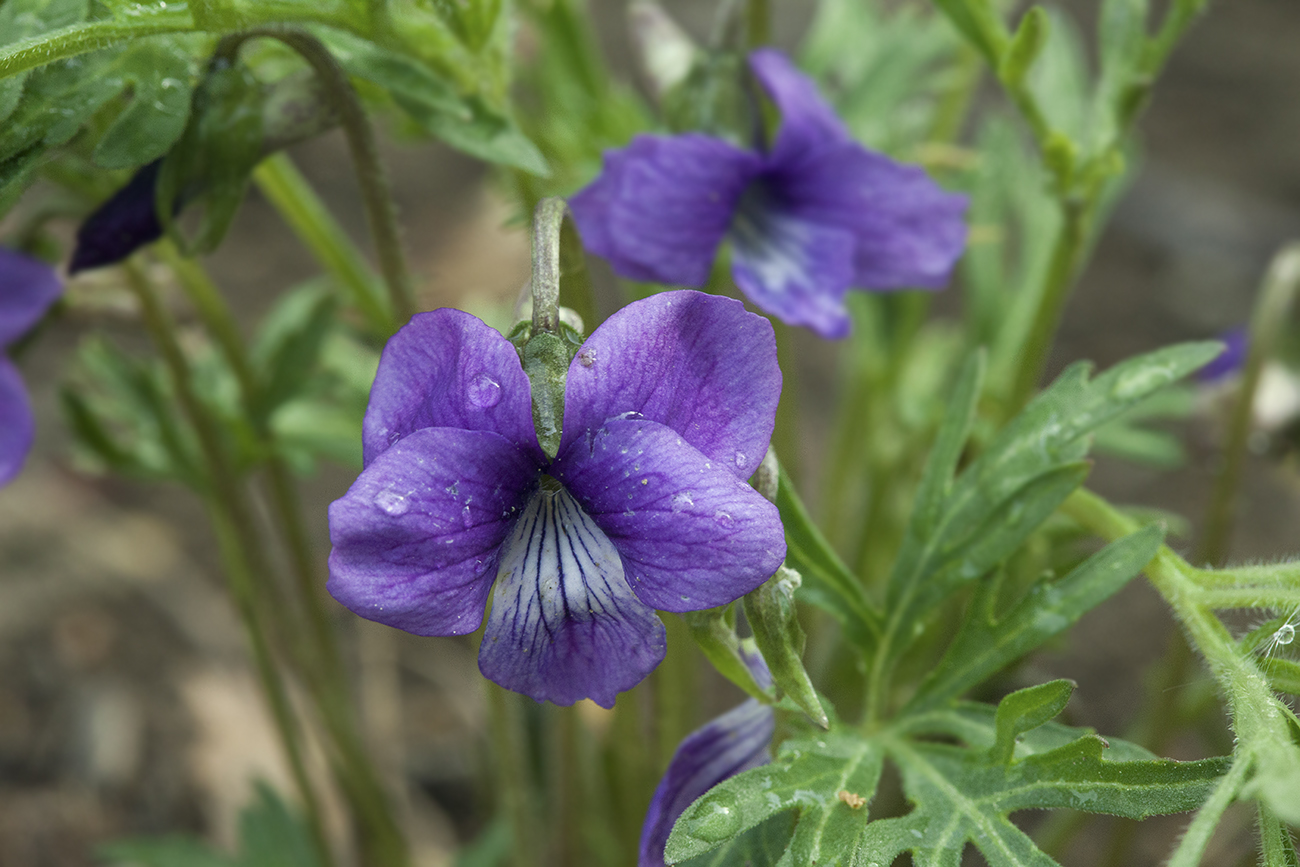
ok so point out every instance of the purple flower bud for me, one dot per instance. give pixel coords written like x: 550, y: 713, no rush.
x: 122, y: 225
x: 1231, y: 360
x: 27, y: 289
x: 668, y: 409
x: 809, y: 217
x: 734, y: 742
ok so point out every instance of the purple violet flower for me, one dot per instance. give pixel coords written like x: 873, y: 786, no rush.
x: 1229, y: 362
x: 735, y: 742
x: 668, y: 409
x: 27, y: 289
x: 808, y: 218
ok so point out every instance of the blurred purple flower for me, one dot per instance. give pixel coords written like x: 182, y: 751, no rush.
x: 728, y: 745
x: 808, y: 218
x: 669, y: 407
x: 27, y: 289
x: 1231, y: 360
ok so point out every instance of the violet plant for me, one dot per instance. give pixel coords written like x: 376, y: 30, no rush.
x: 614, y: 495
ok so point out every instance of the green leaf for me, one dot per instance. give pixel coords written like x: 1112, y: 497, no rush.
x: 273, y: 835
x: 20, y: 19
x: 288, y: 346
x: 959, y: 793
x: 1283, y: 674
x: 807, y: 775
x: 760, y: 846
x: 464, y: 121
x: 827, y: 582
x: 169, y: 851
x: 983, y: 647
x: 159, y: 77
x: 714, y: 632
x: 212, y: 163
x: 1025, y: 47
x: 1023, y: 474
x: 1024, y: 710
x: 981, y: 26
x: 941, y: 466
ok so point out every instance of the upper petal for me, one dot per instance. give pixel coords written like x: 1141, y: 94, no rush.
x: 808, y: 123
x: 448, y: 369
x: 564, y: 624
x: 734, y: 742
x: 700, y: 364
x: 416, y: 536
x: 908, y: 231
x: 661, y: 205
x: 796, y: 269
x: 27, y: 289
x: 16, y: 427
x: 690, y: 533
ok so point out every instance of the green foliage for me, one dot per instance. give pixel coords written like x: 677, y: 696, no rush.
x: 271, y: 834
x: 772, y: 615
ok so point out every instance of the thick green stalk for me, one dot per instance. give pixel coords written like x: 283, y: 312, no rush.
x: 291, y: 195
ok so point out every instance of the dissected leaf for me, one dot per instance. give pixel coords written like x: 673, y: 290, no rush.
x: 1024, y: 710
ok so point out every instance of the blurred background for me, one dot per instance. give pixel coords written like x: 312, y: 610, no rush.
x: 126, y: 702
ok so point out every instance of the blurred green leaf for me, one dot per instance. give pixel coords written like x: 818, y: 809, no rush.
x: 20, y: 19
x: 288, y: 346
x: 171, y: 851
x: 159, y: 78
x: 271, y: 834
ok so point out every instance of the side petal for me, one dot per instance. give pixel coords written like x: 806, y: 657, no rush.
x: 795, y: 269
x: 27, y: 289
x: 808, y: 123
x: 661, y: 205
x: 448, y: 369
x: 908, y: 231
x: 690, y: 533
x: 734, y: 742
x: 416, y: 536
x: 564, y: 624
x: 16, y: 425
x: 700, y: 364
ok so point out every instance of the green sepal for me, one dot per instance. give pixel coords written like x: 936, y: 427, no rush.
x: 213, y: 161
x: 1024, y: 710
x: 714, y: 632
x: 774, y: 617
x: 546, y: 362
x: 1025, y: 47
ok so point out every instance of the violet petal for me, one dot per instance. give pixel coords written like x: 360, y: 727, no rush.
x: 448, y: 369
x: 660, y: 207
x: 700, y: 364
x: 808, y: 123
x: 564, y: 624
x: 724, y: 747
x: 795, y: 269
x: 16, y: 426
x: 691, y: 534
x: 28, y: 287
x: 416, y: 536
x: 908, y: 231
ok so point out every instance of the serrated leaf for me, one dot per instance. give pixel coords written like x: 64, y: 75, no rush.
x: 807, y: 775
x: 983, y: 647
x: 1024, y: 710
x: 1000, y: 498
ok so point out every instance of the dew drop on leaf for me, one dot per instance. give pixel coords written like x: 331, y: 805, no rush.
x: 1285, y: 634
x: 717, y: 817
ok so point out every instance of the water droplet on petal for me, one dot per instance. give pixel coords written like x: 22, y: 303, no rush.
x: 587, y: 357
x: 484, y: 391
x: 392, y: 502
x: 681, y: 501
x: 480, y: 566
x: 466, y: 518
x: 723, y: 519
x: 741, y: 459
x: 717, y: 818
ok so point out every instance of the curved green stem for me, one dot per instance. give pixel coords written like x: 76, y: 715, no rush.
x: 376, y: 194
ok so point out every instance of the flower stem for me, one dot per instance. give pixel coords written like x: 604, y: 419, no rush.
x: 229, y: 509
x: 376, y: 194
x: 1275, y: 300
x: 515, y: 788
x: 291, y: 195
